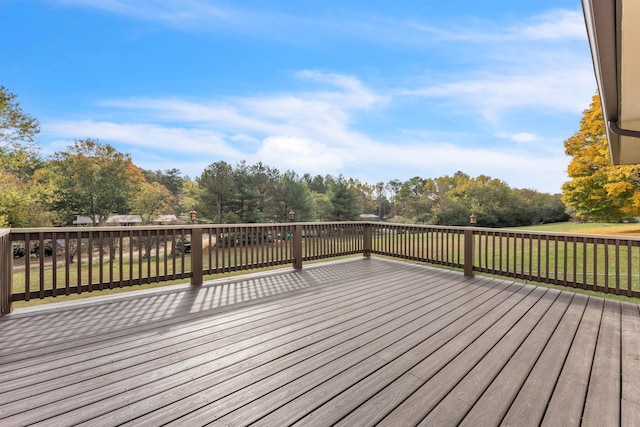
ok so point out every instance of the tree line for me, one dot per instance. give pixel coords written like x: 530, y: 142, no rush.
x: 93, y: 179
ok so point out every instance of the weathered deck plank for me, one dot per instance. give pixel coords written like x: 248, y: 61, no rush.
x: 567, y: 401
x: 531, y: 369
x: 205, y: 405
x: 542, y: 367
x: 602, y: 406
x: 352, y: 387
x: 183, y: 372
x: 360, y: 342
x: 502, y: 336
x: 630, y: 364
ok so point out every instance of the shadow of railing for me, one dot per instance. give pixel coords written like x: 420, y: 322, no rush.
x: 92, y: 320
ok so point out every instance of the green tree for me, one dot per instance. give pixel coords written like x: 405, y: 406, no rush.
x: 321, y: 206
x: 447, y: 208
x: 294, y: 195
x: 245, y: 200
x: 152, y: 199
x: 542, y: 208
x: 266, y: 180
x: 18, y: 151
x: 598, y: 190
x: 316, y: 183
x: 344, y: 203
x: 14, y: 201
x: 17, y: 128
x: 171, y: 179
x: 19, y: 159
x: 410, y: 199
x: 364, y: 195
x: 383, y: 206
x: 190, y: 198
x: 94, y: 179
x: 217, y: 185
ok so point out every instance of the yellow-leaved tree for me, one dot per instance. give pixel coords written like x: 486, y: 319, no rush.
x: 598, y: 190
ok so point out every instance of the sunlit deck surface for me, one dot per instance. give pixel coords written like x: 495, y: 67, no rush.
x: 357, y: 342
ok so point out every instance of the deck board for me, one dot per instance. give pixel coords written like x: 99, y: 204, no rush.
x: 357, y: 342
x: 630, y: 359
x: 401, y: 357
x: 602, y: 406
x: 501, y: 364
x: 501, y: 337
x: 541, y: 363
x: 527, y: 374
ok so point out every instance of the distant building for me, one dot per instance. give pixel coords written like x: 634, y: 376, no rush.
x: 82, y: 220
x: 369, y: 217
x: 124, y: 220
x: 164, y: 219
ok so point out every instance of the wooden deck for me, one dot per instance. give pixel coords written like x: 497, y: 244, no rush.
x: 361, y: 342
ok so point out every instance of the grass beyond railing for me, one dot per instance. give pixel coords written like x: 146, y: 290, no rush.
x: 608, y: 264
x: 61, y: 261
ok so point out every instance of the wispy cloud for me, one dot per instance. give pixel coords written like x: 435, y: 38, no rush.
x: 182, y: 13
x: 554, y: 25
x: 534, y: 64
x: 146, y: 136
x: 323, y: 113
x: 510, y: 67
x: 557, y: 24
x: 310, y: 131
x: 518, y: 137
x: 492, y: 94
x: 342, y: 23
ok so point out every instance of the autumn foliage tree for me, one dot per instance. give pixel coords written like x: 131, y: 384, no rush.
x: 19, y: 205
x: 598, y: 190
x: 152, y: 199
x: 94, y: 180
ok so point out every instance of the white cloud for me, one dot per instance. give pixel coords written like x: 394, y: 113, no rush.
x: 554, y: 25
x: 324, y: 114
x: 185, y: 14
x: 518, y: 137
x: 429, y: 159
x: 354, y: 95
x: 307, y: 132
x: 493, y: 95
x: 533, y: 65
x: 248, y: 139
x: 145, y: 136
x: 301, y: 154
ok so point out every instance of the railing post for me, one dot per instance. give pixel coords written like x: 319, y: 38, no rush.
x: 297, y: 246
x: 367, y: 240
x: 468, y: 252
x: 196, y: 256
x: 6, y: 272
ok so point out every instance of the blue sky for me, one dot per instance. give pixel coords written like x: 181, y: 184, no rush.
x: 374, y: 90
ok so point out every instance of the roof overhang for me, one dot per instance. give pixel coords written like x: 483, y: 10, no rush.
x: 613, y: 28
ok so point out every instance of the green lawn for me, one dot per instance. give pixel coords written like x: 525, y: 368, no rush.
x: 588, y: 228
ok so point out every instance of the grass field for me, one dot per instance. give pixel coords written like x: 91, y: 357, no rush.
x: 590, y: 228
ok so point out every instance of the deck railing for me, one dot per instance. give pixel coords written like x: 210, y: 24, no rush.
x: 50, y: 262
x: 6, y: 270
